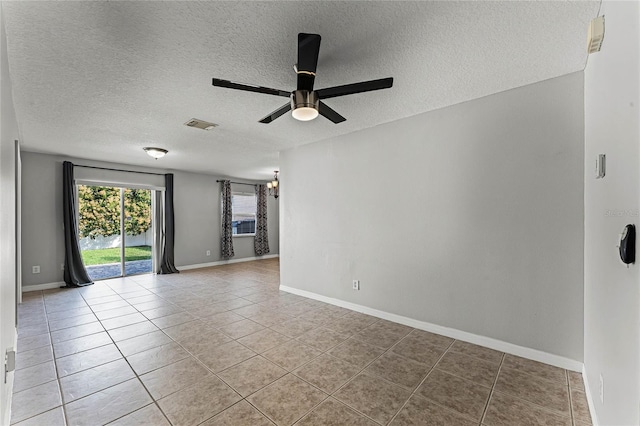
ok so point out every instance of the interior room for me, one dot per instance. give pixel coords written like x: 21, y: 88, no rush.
x: 319, y: 213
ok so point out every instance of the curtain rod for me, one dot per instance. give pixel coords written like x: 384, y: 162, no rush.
x: 118, y: 170
x: 239, y: 183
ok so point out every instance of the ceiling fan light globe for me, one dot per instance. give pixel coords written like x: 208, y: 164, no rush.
x: 304, y: 113
x: 155, y: 152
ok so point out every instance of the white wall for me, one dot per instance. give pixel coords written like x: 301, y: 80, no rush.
x: 196, y: 205
x: 8, y: 134
x: 469, y: 217
x: 612, y: 291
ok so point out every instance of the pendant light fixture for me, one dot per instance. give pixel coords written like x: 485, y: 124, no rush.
x: 274, y: 188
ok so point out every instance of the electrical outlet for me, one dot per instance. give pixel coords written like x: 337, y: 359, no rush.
x: 355, y: 284
x: 601, y: 389
x: 208, y: 252
x: 35, y: 269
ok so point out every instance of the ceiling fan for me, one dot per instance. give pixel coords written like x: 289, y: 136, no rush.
x: 306, y: 103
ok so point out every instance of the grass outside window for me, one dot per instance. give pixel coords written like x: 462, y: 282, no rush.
x: 112, y: 255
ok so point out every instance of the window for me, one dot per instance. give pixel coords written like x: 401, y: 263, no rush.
x: 243, y: 208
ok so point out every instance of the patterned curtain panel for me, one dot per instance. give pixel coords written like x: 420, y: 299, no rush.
x: 227, y: 227
x: 261, y: 242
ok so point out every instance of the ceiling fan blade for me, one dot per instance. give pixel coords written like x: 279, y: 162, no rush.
x: 249, y: 88
x: 349, y: 89
x: 329, y: 113
x: 308, y: 50
x: 277, y: 113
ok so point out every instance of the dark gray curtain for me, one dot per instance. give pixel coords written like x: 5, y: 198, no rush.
x: 227, y: 227
x: 75, y: 274
x: 261, y: 241
x: 167, y: 266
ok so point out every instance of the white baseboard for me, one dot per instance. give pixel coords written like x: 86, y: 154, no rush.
x: 226, y: 262
x: 587, y: 390
x: 39, y: 287
x: 488, y: 342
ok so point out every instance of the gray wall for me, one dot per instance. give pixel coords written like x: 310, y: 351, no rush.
x: 8, y: 134
x: 196, y: 204
x: 612, y: 291
x: 469, y: 217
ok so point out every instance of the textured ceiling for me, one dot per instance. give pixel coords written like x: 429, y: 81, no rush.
x: 100, y: 80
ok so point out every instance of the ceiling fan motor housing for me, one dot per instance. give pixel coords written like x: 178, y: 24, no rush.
x: 304, y: 99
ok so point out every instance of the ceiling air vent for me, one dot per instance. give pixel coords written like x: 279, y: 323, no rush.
x: 200, y: 124
x: 595, y: 34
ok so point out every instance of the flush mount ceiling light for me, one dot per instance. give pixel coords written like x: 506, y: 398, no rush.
x: 155, y: 152
x: 274, y: 188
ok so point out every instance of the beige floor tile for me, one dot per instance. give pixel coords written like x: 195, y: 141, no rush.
x: 108, y: 404
x: 75, y: 332
x: 535, y: 368
x: 470, y: 368
x: 224, y: 356
x: 33, y: 357
x: 153, y: 358
x: 270, y: 318
x: 59, y: 324
x: 70, y: 347
x: 251, y: 375
x: 188, y: 329
x: 123, y: 321
x: 156, y: 302
x: 70, y: 313
x: 580, y: 407
x: 287, y: 399
x: 222, y: 318
x: 418, y: 349
x: 263, y: 340
x: 109, y: 306
x: 399, y: 370
x: 322, y: 338
x: 142, y: 343
x: 356, y: 352
x: 462, y: 396
x: 87, y: 359
x: 79, y: 385
x: 34, y: 401
x: 33, y: 342
x: 318, y: 317
x: 33, y: 330
x: 343, y: 325
x: 333, y: 413
x: 130, y: 331
x: 506, y: 410
x: 162, y: 311
x: 240, y: 414
x: 173, y: 377
x: 374, y: 397
x: 241, y: 328
x: 291, y: 355
x: 380, y: 336
x: 327, y: 373
x: 198, y: 402
x: 432, y: 339
x: 116, y: 312
x: 34, y: 376
x: 174, y: 319
x: 146, y: 416
x: 476, y: 351
x: 294, y: 327
x: 197, y: 344
x: 547, y: 393
x: 53, y: 417
x: 575, y: 380
x: 420, y: 411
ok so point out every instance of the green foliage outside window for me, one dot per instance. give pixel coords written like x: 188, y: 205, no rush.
x: 100, y: 211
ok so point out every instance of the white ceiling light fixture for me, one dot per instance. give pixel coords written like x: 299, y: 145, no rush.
x: 155, y: 152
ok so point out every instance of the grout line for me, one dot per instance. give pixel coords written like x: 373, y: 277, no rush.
x: 495, y: 381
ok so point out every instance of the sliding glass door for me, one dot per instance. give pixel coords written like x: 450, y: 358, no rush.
x: 115, y: 230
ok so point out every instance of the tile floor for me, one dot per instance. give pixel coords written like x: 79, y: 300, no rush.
x: 223, y: 346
